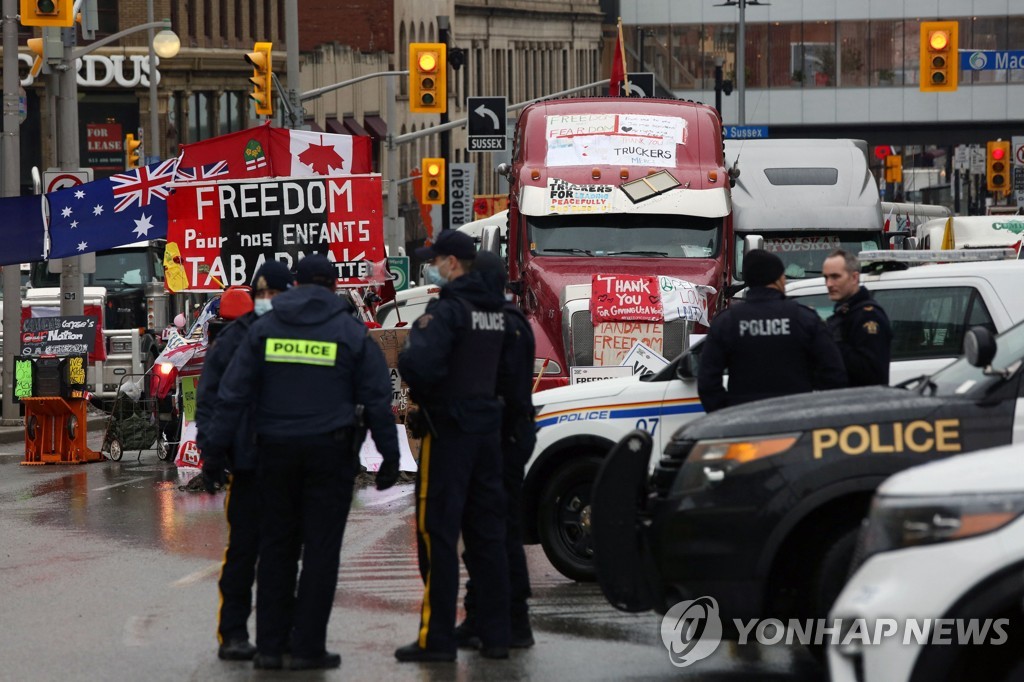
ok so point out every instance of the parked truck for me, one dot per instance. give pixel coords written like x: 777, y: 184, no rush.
x: 618, y: 186
x: 802, y: 199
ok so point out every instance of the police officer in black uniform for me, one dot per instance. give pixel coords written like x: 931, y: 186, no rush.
x: 242, y: 506
x: 769, y: 344
x: 451, y: 364
x: 303, y: 368
x: 859, y: 325
x: 518, y: 436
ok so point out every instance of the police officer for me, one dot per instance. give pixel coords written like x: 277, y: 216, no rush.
x: 770, y: 345
x: 303, y: 368
x: 451, y: 362
x: 518, y: 436
x: 242, y: 506
x: 858, y: 324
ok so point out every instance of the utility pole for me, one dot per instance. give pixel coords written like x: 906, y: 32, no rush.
x: 11, y: 181
x: 446, y: 134
x: 68, y: 158
x: 291, y: 39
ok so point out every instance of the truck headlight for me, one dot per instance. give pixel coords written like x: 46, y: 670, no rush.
x: 897, y: 522
x: 718, y: 457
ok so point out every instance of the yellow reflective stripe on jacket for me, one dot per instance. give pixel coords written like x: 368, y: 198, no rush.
x: 301, y: 351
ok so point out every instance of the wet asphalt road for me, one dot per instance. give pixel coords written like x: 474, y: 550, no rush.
x: 108, y: 572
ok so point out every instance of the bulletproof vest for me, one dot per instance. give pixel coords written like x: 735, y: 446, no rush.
x: 473, y: 370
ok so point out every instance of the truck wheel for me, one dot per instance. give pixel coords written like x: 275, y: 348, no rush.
x: 564, y: 519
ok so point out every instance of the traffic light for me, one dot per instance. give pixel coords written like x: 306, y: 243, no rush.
x: 428, y: 75
x: 432, y: 190
x: 262, y: 78
x: 997, y: 158
x: 131, y: 151
x: 940, y: 60
x: 894, y: 168
x: 47, y: 13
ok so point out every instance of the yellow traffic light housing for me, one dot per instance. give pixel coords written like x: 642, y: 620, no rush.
x: 131, y: 152
x: 432, y: 190
x: 940, y: 58
x: 428, y: 76
x: 47, y: 13
x: 262, y: 78
x: 894, y: 168
x: 997, y: 166
x: 35, y: 45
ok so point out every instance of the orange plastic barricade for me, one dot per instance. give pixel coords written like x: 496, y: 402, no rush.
x: 55, y: 432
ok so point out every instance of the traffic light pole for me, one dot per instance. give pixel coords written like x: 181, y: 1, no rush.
x: 445, y: 138
x: 11, y: 180
x: 68, y: 157
x: 291, y: 39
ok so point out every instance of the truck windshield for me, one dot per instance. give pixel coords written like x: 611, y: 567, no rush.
x: 962, y: 377
x: 116, y: 270
x: 626, y: 235
x: 804, y: 251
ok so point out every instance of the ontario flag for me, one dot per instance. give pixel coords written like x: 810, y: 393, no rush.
x: 264, y: 151
x: 619, y: 82
x: 122, y: 209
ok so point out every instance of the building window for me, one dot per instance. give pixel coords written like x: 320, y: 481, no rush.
x: 193, y: 18
x: 1015, y: 36
x: 107, y: 19
x: 232, y: 112
x: 225, y: 31
x: 200, y: 125
x: 985, y: 33
x: 819, y: 54
x: 854, y: 41
x: 239, y: 20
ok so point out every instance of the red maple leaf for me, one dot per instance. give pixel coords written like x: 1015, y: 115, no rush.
x: 322, y: 158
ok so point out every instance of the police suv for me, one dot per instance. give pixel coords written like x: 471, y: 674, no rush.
x: 943, y: 548
x: 758, y: 506
x: 930, y: 308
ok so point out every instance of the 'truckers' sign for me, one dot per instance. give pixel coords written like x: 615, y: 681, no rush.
x: 223, y: 232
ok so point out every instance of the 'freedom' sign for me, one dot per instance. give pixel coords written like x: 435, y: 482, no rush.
x: 221, y: 233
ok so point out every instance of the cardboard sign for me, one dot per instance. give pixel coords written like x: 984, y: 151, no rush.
x: 566, y: 197
x: 625, y: 297
x: 221, y: 233
x: 643, y: 360
x: 391, y: 342
x: 622, y: 139
x: 682, y: 300
x: 614, y: 340
x: 188, y: 454
x: 583, y: 375
x: 60, y: 336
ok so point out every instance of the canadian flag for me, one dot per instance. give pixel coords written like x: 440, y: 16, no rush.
x: 305, y: 153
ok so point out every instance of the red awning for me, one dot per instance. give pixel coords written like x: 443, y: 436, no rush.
x: 353, y: 127
x: 376, y: 126
x: 314, y: 126
x: 335, y: 126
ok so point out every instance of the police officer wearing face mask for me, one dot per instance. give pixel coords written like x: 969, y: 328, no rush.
x: 451, y: 363
x: 302, y: 368
x: 768, y: 344
x: 242, y: 506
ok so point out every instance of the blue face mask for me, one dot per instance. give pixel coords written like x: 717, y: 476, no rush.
x: 261, y: 306
x: 434, y: 276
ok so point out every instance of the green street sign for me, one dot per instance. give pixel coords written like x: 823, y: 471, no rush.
x: 399, y: 267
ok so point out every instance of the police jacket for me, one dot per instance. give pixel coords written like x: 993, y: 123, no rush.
x: 222, y: 349
x: 451, y: 358
x: 303, y: 367
x: 861, y: 330
x: 771, y: 346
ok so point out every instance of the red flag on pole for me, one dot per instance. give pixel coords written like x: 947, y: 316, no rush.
x: 619, y: 78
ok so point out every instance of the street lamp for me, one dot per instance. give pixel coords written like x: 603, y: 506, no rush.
x: 166, y: 45
x: 741, y: 56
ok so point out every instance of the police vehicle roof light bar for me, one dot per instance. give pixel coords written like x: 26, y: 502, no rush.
x: 937, y: 256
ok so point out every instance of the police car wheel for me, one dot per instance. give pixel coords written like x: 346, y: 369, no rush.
x: 564, y: 519
x: 833, y: 570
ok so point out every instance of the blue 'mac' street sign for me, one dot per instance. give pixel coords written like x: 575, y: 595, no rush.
x: 745, y: 132
x: 991, y: 60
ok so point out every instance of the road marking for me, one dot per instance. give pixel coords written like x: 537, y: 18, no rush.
x: 130, y: 480
x: 196, y: 576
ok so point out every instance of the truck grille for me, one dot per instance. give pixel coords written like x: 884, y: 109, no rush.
x: 581, y: 338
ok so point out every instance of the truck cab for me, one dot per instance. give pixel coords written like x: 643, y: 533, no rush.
x: 612, y: 186
x: 804, y: 198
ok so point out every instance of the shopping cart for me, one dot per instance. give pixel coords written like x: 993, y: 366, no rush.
x: 134, y: 422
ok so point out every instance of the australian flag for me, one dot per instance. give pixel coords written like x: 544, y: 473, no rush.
x: 207, y: 172
x: 21, y: 229
x: 122, y: 209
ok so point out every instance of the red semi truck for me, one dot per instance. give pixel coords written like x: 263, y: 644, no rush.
x: 613, y: 186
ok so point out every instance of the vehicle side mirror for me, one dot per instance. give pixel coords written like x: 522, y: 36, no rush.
x: 979, y: 346
x: 687, y: 365
x: 733, y: 289
x: 516, y: 287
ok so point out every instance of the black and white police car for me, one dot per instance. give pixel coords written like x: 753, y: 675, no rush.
x: 759, y: 505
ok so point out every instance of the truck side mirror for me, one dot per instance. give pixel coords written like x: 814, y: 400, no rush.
x: 516, y: 287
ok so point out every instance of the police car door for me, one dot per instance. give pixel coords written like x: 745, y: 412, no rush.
x: 679, y: 403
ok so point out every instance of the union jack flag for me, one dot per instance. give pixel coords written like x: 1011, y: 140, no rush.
x: 213, y: 170
x: 143, y: 185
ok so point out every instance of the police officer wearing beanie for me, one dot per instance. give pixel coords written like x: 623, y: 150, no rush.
x: 518, y: 437
x: 303, y: 368
x: 858, y: 324
x: 242, y: 506
x: 451, y: 362
x: 769, y: 345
